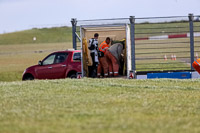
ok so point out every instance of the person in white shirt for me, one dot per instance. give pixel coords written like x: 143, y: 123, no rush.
x: 93, y: 47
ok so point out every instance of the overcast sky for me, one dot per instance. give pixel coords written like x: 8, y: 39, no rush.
x: 18, y: 15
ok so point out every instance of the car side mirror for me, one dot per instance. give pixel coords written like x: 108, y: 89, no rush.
x: 40, y: 63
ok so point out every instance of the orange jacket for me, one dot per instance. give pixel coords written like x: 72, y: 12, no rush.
x: 103, y: 47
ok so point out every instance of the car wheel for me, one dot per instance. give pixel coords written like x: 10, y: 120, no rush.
x: 29, y: 77
x: 73, y: 76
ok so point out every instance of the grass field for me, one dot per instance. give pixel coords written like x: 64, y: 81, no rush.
x: 44, y: 35
x: 88, y: 105
x: 18, y: 50
x: 100, y: 106
x: 14, y: 59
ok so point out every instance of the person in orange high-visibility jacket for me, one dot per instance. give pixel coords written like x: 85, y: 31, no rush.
x: 113, y: 56
x: 102, y: 59
x: 196, y: 65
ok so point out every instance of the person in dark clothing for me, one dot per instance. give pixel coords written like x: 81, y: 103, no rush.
x: 93, y: 47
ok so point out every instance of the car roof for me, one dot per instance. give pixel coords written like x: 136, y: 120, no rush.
x: 67, y: 51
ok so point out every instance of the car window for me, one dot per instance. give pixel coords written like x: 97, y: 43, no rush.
x: 49, y: 60
x: 77, y: 56
x: 60, y: 57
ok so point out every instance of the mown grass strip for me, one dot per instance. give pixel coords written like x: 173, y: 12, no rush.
x: 100, y: 105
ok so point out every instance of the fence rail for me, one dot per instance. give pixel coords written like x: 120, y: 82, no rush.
x: 166, y: 45
x: 169, y: 43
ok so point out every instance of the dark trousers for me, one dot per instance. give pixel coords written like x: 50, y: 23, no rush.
x: 93, y: 69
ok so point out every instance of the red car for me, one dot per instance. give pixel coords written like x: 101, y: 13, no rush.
x: 61, y: 64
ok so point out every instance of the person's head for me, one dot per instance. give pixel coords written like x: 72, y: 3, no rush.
x: 96, y: 35
x: 108, y: 40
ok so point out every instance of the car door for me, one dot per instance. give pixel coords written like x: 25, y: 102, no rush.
x: 77, y: 61
x: 60, y: 65
x: 45, y: 70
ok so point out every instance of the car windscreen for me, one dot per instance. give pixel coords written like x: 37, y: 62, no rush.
x: 49, y: 60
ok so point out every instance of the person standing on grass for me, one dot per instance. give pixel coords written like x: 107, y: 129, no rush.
x: 113, y: 56
x: 102, y: 59
x: 93, y: 47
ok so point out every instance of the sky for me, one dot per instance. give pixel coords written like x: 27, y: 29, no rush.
x: 16, y: 15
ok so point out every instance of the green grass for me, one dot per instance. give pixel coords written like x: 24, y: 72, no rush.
x: 14, y: 59
x: 100, y: 106
x: 44, y: 35
x: 89, y: 105
x: 18, y: 50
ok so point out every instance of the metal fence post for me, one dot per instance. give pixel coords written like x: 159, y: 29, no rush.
x: 132, y: 21
x: 191, y: 18
x: 74, y: 22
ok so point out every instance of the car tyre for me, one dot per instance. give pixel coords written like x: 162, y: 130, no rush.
x: 73, y: 76
x: 29, y: 77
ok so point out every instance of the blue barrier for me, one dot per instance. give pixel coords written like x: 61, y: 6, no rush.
x: 177, y: 75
